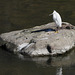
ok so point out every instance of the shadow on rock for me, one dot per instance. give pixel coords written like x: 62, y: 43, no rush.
x: 46, y: 30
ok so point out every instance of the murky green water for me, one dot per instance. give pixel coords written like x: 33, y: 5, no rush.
x: 21, y: 14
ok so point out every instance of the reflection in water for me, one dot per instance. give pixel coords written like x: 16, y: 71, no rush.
x: 62, y: 60
x: 59, y: 63
x: 49, y: 61
x: 59, y: 71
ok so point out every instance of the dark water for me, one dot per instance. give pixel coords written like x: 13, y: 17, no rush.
x: 21, y: 14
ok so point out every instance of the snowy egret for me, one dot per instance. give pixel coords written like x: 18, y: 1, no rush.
x: 57, y: 19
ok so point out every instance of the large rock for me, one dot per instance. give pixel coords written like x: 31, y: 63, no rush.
x: 40, y: 40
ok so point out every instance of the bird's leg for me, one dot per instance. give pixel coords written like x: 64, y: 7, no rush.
x: 56, y: 31
x: 61, y: 27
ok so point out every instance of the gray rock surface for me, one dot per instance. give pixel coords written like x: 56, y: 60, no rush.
x: 37, y: 41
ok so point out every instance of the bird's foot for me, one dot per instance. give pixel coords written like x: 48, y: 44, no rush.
x: 56, y: 31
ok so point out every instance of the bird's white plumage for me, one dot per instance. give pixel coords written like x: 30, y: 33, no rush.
x: 57, y: 18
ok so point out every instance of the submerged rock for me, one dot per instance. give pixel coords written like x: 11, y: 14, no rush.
x: 40, y: 40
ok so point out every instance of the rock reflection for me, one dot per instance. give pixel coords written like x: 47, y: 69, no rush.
x: 59, y: 61
x: 63, y: 60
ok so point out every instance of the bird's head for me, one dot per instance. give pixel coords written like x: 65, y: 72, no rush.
x: 52, y: 13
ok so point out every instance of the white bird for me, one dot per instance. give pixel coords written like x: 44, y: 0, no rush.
x: 57, y: 19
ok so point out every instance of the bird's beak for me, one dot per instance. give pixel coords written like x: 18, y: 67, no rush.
x: 50, y: 14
